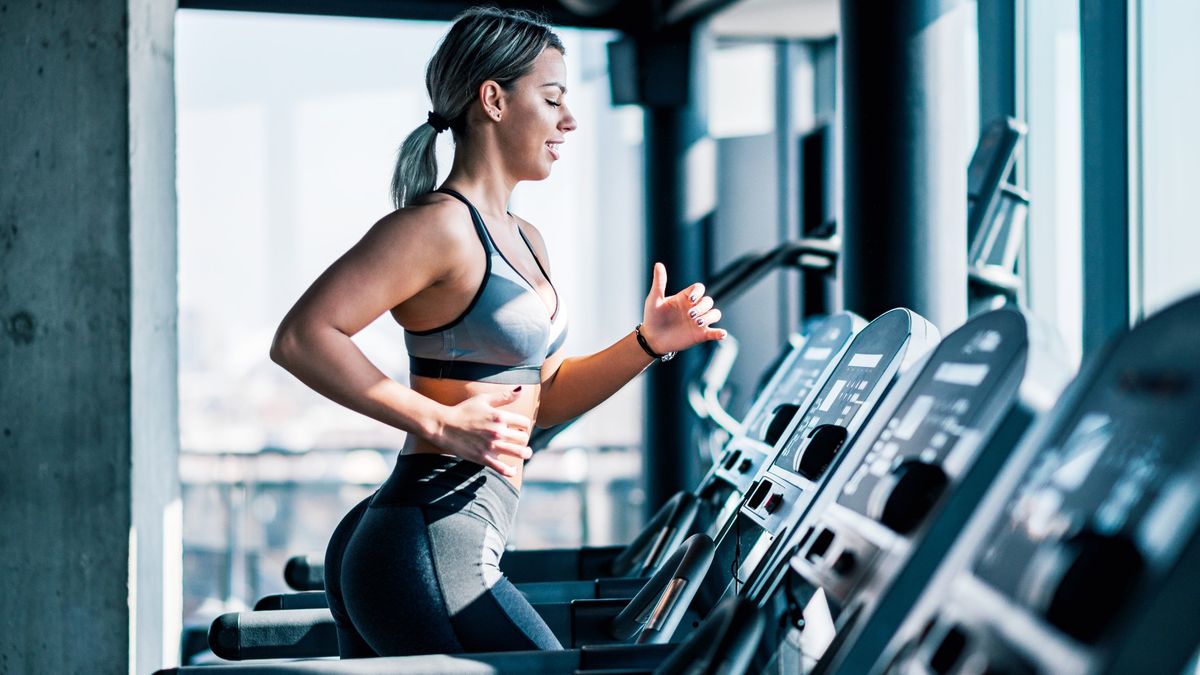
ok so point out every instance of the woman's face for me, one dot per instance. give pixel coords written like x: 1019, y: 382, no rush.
x: 535, y: 119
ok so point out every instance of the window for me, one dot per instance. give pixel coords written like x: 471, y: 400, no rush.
x: 1051, y: 108
x: 1166, y: 241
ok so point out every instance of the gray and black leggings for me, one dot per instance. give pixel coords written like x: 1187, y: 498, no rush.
x: 414, y: 569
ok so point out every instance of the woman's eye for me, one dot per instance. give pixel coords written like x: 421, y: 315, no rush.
x: 553, y: 103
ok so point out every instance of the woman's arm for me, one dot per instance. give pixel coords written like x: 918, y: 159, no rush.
x: 571, y: 386
x: 401, y: 256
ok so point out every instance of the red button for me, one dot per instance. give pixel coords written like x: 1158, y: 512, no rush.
x: 773, y: 502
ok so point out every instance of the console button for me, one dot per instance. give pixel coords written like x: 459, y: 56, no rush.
x: 823, y: 444
x: 1081, y: 584
x: 904, y: 497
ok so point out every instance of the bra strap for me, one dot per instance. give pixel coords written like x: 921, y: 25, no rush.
x: 480, y: 229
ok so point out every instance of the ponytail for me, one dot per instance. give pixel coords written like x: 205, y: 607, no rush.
x: 416, y: 166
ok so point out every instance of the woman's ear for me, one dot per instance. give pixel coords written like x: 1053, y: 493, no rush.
x: 491, y: 98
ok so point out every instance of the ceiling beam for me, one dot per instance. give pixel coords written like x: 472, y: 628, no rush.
x: 625, y: 15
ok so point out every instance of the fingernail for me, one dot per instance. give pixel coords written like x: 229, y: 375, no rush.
x: 517, y: 389
x: 699, y: 322
x: 693, y: 298
x: 692, y: 313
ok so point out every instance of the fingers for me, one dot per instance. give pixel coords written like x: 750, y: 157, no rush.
x: 705, y: 304
x: 658, y: 283
x: 695, y: 292
x: 519, y: 450
x: 514, y: 421
x: 708, y: 318
x: 501, y: 467
x: 503, y: 434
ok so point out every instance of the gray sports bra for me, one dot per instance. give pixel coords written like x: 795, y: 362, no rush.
x: 503, y: 336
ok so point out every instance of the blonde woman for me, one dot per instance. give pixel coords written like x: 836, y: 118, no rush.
x: 414, y: 569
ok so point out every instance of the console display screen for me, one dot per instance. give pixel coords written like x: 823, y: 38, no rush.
x: 969, y: 374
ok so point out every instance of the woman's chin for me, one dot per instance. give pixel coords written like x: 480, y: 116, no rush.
x: 539, y: 173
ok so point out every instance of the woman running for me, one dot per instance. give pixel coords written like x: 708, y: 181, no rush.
x: 415, y: 568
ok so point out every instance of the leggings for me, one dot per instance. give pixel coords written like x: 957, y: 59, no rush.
x: 414, y: 569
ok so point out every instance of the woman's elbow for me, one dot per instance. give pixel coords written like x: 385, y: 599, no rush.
x: 284, y: 345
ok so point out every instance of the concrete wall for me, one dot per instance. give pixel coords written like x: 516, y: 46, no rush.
x: 88, y: 412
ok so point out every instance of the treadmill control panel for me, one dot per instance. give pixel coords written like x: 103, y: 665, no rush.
x: 816, y: 439
x: 1085, y: 556
x: 917, y: 454
x: 939, y: 446
x: 800, y: 372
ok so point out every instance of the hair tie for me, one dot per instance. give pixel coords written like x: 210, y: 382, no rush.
x: 438, y: 122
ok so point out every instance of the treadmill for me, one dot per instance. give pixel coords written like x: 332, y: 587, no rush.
x: 1084, y: 557
x: 867, y: 549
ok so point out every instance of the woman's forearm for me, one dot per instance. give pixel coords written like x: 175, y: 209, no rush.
x: 329, y: 362
x: 584, y: 382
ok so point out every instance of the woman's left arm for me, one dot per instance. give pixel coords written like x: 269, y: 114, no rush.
x: 573, y: 385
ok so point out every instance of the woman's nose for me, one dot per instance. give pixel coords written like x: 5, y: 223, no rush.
x: 567, y: 123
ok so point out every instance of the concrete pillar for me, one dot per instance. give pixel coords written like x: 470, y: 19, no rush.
x: 89, y: 489
x: 904, y: 84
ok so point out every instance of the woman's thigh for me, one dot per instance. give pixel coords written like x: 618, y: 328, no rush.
x: 421, y: 580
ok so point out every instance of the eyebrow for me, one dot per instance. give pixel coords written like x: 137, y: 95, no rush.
x: 562, y: 88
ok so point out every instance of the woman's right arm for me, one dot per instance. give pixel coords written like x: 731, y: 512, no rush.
x: 399, y: 257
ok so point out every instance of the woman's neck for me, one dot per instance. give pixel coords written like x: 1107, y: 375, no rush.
x: 480, y: 181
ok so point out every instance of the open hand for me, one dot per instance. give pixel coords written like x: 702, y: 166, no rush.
x: 478, y: 430
x: 674, y: 323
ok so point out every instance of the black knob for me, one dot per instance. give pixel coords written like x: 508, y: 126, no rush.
x: 824, y: 442
x: 1081, y: 584
x: 905, y: 496
x: 745, y: 466
x: 781, y: 418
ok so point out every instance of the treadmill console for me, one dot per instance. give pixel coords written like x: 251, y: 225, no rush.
x: 784, y: 394
x: 907, y: 486
x: 813, y: 443
x: 794, y: 380
x: 1085, y: 557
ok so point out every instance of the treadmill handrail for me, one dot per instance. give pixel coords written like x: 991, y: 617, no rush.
x: 679, y: 579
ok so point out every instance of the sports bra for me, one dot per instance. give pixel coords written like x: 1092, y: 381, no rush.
x: 505, y: 334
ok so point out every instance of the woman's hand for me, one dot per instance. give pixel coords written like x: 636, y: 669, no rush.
x: 672, y: 324
x: 477, y: 430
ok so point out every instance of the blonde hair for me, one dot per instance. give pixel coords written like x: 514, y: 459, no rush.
x: 485, y: 43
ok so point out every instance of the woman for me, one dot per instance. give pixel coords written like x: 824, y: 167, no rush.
x: 414, y: 569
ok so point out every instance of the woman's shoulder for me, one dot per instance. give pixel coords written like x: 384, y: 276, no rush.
x: 533, y: 234
x: 434, y: 220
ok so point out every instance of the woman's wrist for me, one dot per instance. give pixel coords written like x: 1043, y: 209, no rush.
x: 431, y: 422
x: 646, y: 346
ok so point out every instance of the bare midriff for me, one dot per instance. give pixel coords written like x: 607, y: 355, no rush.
x: 452, y: 392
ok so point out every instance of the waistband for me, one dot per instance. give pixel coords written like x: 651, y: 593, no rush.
x: 475, y: 372
x: 451, y: 485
